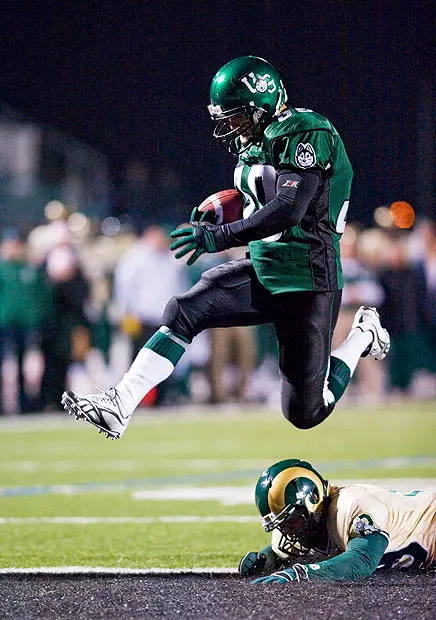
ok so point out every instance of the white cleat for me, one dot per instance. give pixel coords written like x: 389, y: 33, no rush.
x: 367, y: 319
x: 104, y: 411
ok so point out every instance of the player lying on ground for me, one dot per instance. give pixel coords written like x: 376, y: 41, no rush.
x: 295, y: 176
x: 359, y: 527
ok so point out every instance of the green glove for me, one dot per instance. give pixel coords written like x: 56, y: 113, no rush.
x: 259, y: 563
x: 283, y: 576
x: 252, y: 564
x: 203, y: 216
x: 298, y: 572
x: 198, y: 239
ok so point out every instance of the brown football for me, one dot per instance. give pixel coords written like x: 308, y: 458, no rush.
x: 226, y: 206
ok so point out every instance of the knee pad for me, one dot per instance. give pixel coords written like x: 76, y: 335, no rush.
x: 297, y: 411
x: 177, y: 318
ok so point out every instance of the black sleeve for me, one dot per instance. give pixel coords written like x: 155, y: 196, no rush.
x: 294, y: 194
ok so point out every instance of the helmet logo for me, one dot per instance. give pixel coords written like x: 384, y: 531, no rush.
x: 259, y: 83
x: 305, y: 156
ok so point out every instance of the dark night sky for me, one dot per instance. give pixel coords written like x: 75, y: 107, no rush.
x: 132, y: 78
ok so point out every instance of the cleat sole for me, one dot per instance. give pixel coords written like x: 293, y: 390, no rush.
x: 72, y: 408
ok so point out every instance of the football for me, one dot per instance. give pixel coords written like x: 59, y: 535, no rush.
x: 225, y: 206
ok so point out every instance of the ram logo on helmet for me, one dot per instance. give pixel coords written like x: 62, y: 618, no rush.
x: 260, y: 83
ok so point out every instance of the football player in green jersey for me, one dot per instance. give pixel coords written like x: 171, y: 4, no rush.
x: 357, y: 528
x: 294, y: 173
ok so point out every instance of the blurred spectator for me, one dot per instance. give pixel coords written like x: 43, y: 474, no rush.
x: 24, y: 302
x: 233, y: 355
x: 361, y: 288
x: 265, y: 381
x: 424, y: 250
x: 405, y: 290
x: 232, y: 351
x: 145, y: 277
x: 232, y: 362
x: 429, y: 266
x: 66, y: 332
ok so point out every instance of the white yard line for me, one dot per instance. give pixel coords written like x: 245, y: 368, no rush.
x: 226, y: 495
x: 236, y: 495
x: 102, y: 570
x: 121, y: 520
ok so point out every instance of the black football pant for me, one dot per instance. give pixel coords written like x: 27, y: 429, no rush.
x: 230, y: 294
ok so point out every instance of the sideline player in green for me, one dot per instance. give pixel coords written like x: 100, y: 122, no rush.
x: 358, y: 527
x: 295, y: 175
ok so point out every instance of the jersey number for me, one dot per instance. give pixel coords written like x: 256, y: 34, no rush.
x: 340, y: 222
x: 258, y: 182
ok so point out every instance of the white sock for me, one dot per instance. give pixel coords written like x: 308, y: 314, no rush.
x: 147, y: 370
x: 352, y: 348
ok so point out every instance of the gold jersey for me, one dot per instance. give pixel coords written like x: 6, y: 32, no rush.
x: 407, y: 520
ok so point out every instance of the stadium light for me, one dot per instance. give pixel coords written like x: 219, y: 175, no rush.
x: 383, y: 217
x: 403, y: 214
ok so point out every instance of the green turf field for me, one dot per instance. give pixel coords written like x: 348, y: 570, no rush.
x: 176, y: 490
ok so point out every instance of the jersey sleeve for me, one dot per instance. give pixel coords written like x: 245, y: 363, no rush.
x: 304, y: 150
x: 361, y: 524
x: 361, y: 511
x: 358, y: 561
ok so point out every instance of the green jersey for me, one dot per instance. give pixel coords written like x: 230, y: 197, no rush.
x: 305, y: 257
x: 24, y: 294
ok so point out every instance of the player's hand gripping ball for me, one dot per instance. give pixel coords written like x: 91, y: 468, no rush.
x: 205, y: 232
x: 222, y: 207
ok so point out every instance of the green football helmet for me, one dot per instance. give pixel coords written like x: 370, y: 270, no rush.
x: 245, y: 95
x: 290, y: 497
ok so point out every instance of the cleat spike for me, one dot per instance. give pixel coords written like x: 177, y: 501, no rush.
x: 104, y: 411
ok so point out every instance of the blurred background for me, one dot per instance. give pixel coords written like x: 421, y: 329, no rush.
x: 106, y: 144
